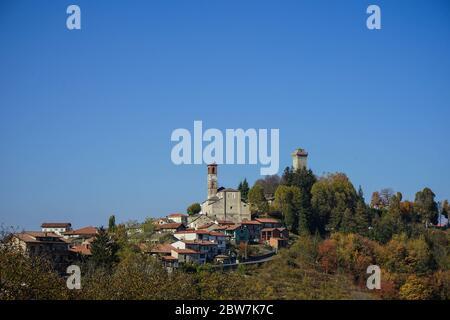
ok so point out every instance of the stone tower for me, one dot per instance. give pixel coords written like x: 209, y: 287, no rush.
x: 299, y: 157
x: 212, y: 180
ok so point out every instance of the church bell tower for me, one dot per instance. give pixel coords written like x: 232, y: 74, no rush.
x: 212, y: 180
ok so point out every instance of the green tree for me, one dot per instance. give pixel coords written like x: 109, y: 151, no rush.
x: 362, y: 219
x: 303, y: 179
x: 445, y: 208
x: 244, y: 189
x: 361, y: 194
x: 332, y: 195
x: 194, y: 208
x: 269, y: 184
x: 257, y: 200
x: 148, y: 226
x: 112, y: 223
x: 288, y: 200
x: 426, y: 207
x: 25, y: 277
x: 104, y: 250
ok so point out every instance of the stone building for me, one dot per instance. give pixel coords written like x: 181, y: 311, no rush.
x: 299, y: 157
x: 224, y: 203
x: 56, y: 227
x: 47, y: 245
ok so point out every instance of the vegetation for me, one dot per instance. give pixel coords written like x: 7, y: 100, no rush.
x: 194, y: 208
x: 244, y: 189
x: 335, y: 237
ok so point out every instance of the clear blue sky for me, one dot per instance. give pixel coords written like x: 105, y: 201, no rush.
x: 86, y: 116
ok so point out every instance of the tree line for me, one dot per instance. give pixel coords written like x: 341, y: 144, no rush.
x: 308, y: 204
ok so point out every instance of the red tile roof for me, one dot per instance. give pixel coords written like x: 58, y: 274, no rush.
x: 34, y: 236
x: 199, y: 242
x: 162, y: 248
x: 185, y: 251
x: 83, y: 231
x: 267, y: 220
x: 250, y: 222
x: 175, y: 215
x: 233, y: 227
x: 193, y: 231
x: 169, y: 258
x: 221, y: 227
x: 217, y: 234
x: 272, y: 229
x: 56, y: 224
x: 81, y: 249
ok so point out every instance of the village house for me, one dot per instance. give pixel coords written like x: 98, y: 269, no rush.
x: 254, y: 229
x: 219, y: 238
x: 82, y: 233
x: 222, y: 259
x: 207, y: 249
x: 238, y: 233
x: 268, y: 233
x: 161, y: 250
x: 169, y: 262
x: 83, y: 249
x: 190, y: 234
x: 48, y: 245
x: 269, y: 222
x: 277, y: 243
x: 169, y: 227
x: 186, y: 256
x: 198, y: 220
x: 178, y: 218
x: 56, y: 227
x: 161, y: 221
x: 275, y: 237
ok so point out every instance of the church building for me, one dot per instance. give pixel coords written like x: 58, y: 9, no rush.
x: 224, y: 203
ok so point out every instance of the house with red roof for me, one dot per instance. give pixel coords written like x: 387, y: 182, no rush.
x: 83, y: 249
x: 47, y: 245
x: 220, y: 238
x: 238, y: 233
x: 171, y: 227
x: 254, y: 229
x: 269, y: 222
x: 82, y: 233
x: 178, y: 218
x: 56, y: 227
x: 192, y: 234
x: 186, y: 255
x: 275, y: 237
x: 207, y: 249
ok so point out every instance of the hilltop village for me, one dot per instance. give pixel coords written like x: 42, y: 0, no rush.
x: 223, y: 232
x: 297, y: 236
